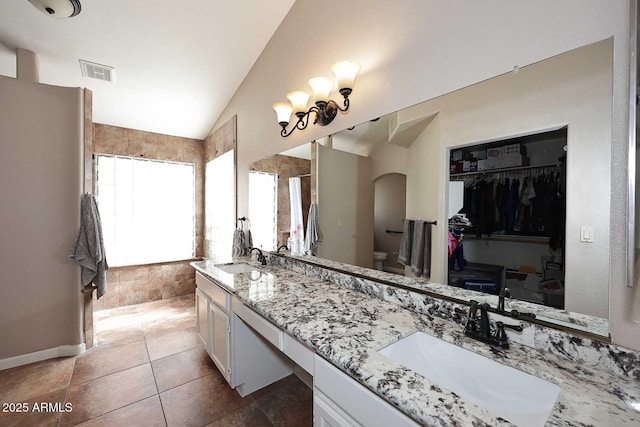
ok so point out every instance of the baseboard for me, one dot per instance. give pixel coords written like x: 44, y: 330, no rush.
x: 37, y: 356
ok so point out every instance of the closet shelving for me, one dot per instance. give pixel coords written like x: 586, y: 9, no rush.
x: 498, y: 170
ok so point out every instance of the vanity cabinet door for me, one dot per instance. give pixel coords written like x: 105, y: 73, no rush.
x: 328, y: 414
x: 202, y: 322
x: 220, y: 334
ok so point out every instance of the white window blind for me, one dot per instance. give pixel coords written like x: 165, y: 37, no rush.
x: 147, y: 209
x: 263, y: 209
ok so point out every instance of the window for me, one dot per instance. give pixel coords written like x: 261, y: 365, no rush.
x: 220, y: 206
x: 263, y: 209
x: 147, y: 209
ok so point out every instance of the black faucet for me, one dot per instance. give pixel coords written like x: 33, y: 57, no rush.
x: 261, y: 257
x: 500, y: 336
x: 281, y: 247
x: 505, y: 293
x: 479, y: 327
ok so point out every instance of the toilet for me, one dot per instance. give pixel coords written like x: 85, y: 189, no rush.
x: 378, y: 260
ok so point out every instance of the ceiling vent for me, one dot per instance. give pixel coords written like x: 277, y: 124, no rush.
x: 97, y: 71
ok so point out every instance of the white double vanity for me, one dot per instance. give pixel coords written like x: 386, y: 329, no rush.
x: 251, y: 353
x: 376, y: 355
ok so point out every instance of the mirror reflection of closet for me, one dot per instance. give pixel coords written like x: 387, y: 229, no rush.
x: 510, y: 230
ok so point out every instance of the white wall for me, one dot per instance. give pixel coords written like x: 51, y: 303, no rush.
x: 345, y: 207
x: 40, y: 191
x: 414, y: 50
x: 543, y: 96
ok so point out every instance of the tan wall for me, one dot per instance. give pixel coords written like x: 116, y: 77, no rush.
x: 345, y: 207
x: 134, y: 285
x: 40, y: 192
x: 87, y: 128
x: 285, y: 167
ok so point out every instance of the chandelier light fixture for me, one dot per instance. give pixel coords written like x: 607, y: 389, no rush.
x: 324, y: 108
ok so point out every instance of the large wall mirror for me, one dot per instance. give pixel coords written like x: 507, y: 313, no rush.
x: 414, y: 163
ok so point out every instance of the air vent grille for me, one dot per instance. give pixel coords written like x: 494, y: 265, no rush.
x: 97, y: 71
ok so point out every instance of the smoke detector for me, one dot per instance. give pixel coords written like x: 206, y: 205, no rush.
x: 58, y: 8
x: 97, y: 71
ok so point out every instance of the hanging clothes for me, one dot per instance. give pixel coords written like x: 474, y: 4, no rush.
x: 527, y: 202
x: 457, y: 254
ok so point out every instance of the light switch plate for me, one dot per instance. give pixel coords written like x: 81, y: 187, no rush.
x: 586, y: 234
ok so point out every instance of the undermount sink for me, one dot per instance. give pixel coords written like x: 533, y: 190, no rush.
x: 236, y: 268
x: 523, y: 399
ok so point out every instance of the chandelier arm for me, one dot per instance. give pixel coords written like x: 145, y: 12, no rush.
x: 346, y: 104
x: 301, y: 123
x: 317, y: 112
x: 284, y: 133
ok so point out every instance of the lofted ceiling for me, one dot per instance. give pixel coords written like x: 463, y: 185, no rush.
x: 177, y: 64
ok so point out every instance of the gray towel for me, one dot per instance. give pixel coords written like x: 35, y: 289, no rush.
x: 417, y: 248
x: 404, y: 257
x: 249, y: 238
x: 239, y: 247
x: 88, y: 250
x: 314, y: 235
x: 426, y: 266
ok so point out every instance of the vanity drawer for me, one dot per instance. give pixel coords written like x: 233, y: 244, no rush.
x: 300, y: 354
x: 214, y: 292
x: 360, y: 403
x: 265, y: 328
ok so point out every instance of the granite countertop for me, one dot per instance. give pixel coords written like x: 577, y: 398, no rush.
x: 347, y: 328
x: 592, y: 324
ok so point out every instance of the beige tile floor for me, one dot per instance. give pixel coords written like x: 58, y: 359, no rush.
x: 148, y: 369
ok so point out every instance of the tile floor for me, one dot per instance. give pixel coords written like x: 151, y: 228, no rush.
x: 148, y: 369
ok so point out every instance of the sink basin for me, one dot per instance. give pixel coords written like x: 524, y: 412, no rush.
x: 506, y: 392
x: 236, y: 268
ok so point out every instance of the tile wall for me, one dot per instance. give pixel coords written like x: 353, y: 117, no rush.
x: 286, y: 167
x: 144, y: 283
x: 138, y: 284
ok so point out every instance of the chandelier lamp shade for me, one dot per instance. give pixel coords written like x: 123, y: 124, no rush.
x: 323, y: 108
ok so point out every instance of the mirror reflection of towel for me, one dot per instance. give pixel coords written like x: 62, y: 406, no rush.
x: 420, y: 254
x: 314, y: 235
x: 404, y: 255
x: 239, y: 247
